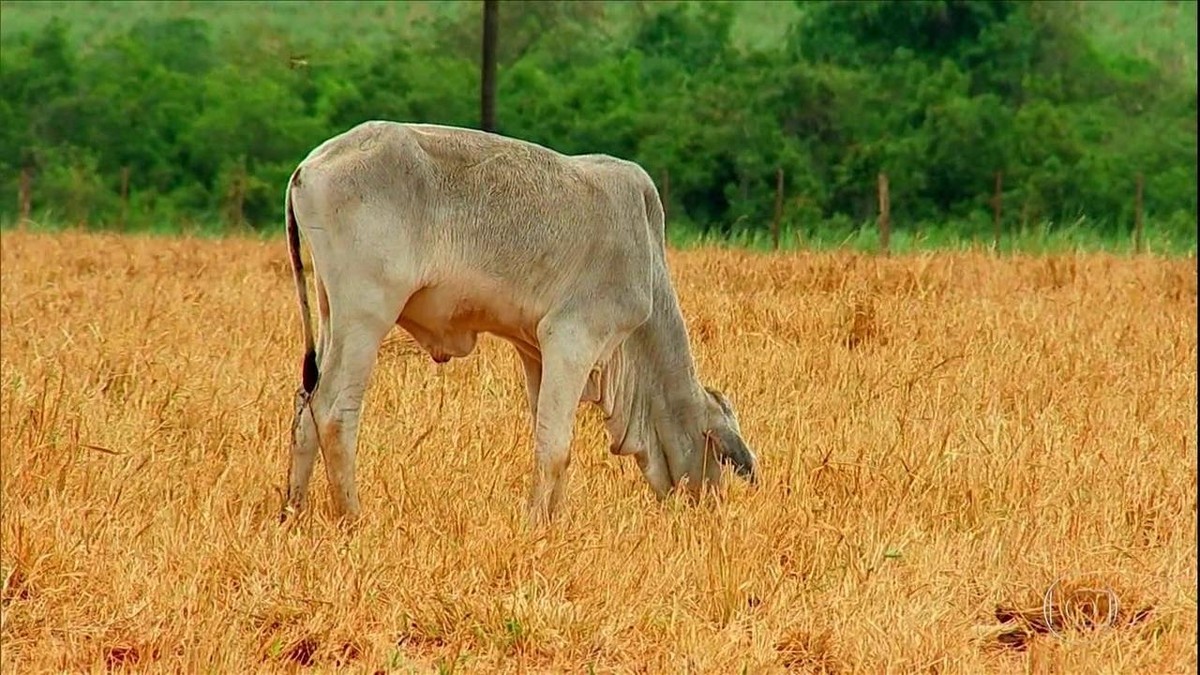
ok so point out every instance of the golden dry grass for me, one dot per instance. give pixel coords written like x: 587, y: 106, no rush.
x: 944, y: 439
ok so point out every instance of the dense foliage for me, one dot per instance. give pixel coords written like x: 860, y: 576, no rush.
x: 939, y: 95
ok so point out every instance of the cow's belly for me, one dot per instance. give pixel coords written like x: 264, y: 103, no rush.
x: 446, y: 319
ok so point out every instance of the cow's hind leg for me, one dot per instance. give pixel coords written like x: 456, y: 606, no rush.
x: 338, y: 405
x: 302, y: 457
x: 329, y: 419
x: 322, y: 318
x: 304, y: 442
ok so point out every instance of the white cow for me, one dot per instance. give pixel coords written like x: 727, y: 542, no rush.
x: 452, y: 232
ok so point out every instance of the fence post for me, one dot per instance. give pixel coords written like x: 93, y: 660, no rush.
x: 885, y: 225
x: 487, y: 88
x: 1137, y: 214
x: 997, y: 206
x: 778, y: 207
x: 124, y: 195
x: 24, y: 196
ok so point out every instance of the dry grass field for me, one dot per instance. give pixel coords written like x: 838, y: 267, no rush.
x: 964, y: 458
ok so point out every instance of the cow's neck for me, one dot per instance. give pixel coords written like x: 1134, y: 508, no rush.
x: 651, y: 396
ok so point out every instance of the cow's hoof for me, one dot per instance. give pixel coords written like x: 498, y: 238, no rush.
x: 287, y: 513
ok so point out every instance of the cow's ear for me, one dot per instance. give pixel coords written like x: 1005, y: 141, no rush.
x: 732, y: 450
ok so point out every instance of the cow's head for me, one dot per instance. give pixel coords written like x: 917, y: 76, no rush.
x: 723, y: 440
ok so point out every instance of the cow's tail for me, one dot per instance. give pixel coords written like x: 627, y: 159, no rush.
x: 310, y: 372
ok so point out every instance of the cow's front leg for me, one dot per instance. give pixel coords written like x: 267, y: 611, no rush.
x: 533, y: 381
x: 568, y: 355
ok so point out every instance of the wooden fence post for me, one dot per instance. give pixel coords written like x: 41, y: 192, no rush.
x: 487, y: 89
x: 997, y: 205
x: 1137, y: 214
x: 885, y: 225
x: 124, y: 195
x: 24, y: 197
x: 778, y: 207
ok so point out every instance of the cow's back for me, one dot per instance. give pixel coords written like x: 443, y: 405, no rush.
x: 508, y: 209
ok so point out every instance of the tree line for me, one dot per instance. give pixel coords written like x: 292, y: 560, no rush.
x: 174, y: 122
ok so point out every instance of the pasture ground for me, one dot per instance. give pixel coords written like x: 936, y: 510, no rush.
x: 955, y: 447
